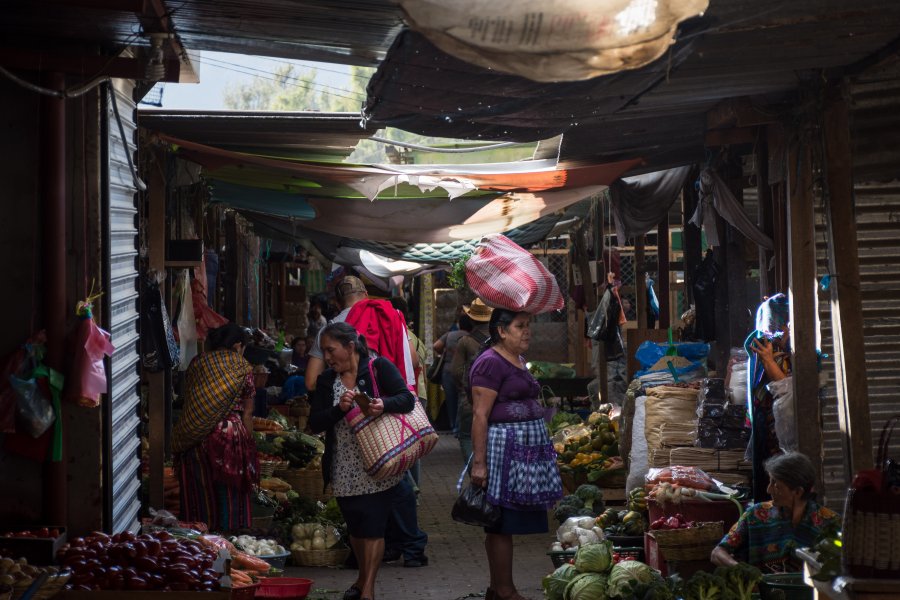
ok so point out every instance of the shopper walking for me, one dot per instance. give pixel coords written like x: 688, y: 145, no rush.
x: 446, y: 346
x: 467, y: 349
x: 365, y: 503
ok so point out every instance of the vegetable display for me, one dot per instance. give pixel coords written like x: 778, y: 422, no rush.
x: 586, y: 586
x: 124, y: 561
x: 40, y: 532
x: 627, y: 576
x: 587, y: 501
x: 314, y: 536
x: 257, y: 547
x: 555, y: 583
x: 621, y: 522
x: 705, y: 586
x: 576, y: 532
x: 740, y: 579
x: 594, y: 558
x: 589, y: 449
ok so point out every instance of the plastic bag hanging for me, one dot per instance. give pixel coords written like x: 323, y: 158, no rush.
x: 88, y: 374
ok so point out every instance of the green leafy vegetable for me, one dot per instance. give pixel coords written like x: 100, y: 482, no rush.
x: 626, y: 576
x: 457, y: 276
x: 587, y: 586
x: 555, y: 583
x: 594, y: 558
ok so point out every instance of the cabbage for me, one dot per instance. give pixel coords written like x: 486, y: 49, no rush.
x: 555, y: 583
x: 626, y: 576
x: 594, y: 558
x: 587, y: 586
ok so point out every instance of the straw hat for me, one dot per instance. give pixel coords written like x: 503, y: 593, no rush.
x: 478, y: 311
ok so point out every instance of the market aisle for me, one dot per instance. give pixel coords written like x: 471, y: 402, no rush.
x: 457, y: 564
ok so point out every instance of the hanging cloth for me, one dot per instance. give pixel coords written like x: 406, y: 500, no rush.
x: 715, y: 197
x: 385, y: 333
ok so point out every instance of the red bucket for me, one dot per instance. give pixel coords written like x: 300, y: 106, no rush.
x: 284, y: 587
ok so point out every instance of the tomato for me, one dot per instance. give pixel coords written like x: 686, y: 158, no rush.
x: 153, y: 547
x: 145, y: 563
x: 136, y: 583
x: 43, y: 532
x: 54, y: 532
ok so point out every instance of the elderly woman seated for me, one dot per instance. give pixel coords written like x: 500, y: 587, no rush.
x: 767, y: 533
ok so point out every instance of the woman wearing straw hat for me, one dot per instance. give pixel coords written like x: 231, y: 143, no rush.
x: 475, y: 323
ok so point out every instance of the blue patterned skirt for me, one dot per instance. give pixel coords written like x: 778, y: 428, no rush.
x: 522, y: 471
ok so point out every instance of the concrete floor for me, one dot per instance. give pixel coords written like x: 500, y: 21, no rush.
x: 457, y: 564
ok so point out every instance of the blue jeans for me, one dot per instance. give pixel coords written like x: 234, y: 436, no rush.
x: 451, y: 398
x: 403, y: 531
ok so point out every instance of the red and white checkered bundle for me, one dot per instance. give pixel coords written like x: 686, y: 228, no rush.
x: 505, y: 275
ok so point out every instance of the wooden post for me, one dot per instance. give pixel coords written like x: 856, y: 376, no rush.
x: 764, y: 199
x: 690, y: 237
x: 802, y: 275
x: 640, y: 284
x: 156, y: 245
x: 846, y: 306
x: 662, y: 260
x: 735, y: 273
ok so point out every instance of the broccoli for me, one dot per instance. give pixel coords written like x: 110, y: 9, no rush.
x: 655, y: 590
x: 568, y: 507
x: 591, y: 495
x: 740, y: 579
x: 705, y: 586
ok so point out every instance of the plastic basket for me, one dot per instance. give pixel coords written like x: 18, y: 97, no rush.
x: 276, y: 560
x: 635, y: 552
x: 560, y: 557
x: 247, y: 592
x: 784, y: 586
x: 692, y: 543
x: 334, y: 557
x: 306, y: 482
x: 284, y: 587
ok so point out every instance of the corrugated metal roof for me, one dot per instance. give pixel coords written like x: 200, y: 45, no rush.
x: 309, y: 134
x: 349, y: 32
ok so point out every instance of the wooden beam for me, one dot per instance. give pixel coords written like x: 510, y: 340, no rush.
x: 131, y: 6
x: 156, y: 247
x: 846, y: 306
x: 738, y: 112
x: 84, y: 65
x: 802, y: 277
x: 730, y: 137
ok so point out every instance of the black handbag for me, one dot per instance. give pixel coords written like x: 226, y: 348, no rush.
x: 606, y: 313
x: 473, y: 508
x: 436, y: 370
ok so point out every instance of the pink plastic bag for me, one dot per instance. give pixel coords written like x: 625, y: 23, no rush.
x: 505, y: 275
x: 88, y: 372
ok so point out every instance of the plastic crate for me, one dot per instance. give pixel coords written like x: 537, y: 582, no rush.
x: 635, y: 552
x: 560, y: 557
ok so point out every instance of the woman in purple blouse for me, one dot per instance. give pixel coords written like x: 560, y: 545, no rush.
x: 512, y: 457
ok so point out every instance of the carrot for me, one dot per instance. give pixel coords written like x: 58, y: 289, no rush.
x: 239, y: 578
x: 250, y: 563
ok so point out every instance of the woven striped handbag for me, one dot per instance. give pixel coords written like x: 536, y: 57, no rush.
x: 392, y: 442
x: 505, y: 275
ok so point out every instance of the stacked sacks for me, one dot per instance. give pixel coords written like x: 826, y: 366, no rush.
x: 722, y: 424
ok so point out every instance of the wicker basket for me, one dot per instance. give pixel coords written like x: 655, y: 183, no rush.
x: 693, y: 543
x: 267, y: 468
x: 307, y: 483
x: 334, y: 557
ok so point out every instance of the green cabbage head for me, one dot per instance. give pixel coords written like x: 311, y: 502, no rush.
x: 587, y: 586
x: 594, y: 558
x: 626, y: 576
x: 555, y: 583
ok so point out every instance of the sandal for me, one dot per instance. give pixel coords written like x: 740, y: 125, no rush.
x: 353, y: 593
x: 490, y: 594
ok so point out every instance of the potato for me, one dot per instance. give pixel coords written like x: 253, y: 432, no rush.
x: 5, y: 564
x: 7, y: 580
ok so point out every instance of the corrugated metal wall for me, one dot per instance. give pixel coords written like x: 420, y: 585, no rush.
x: 123, y: 477
x: 878, y: 231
